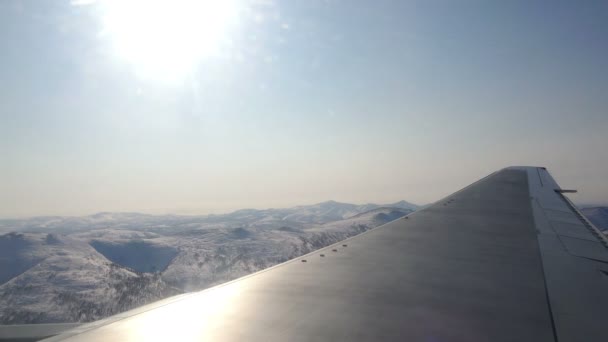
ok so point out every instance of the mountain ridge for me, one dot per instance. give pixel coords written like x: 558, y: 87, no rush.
x: 86, y: 268
x: 318, y: 213
x: 598, y: 216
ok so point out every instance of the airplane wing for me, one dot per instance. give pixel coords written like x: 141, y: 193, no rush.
x: 508, y: 258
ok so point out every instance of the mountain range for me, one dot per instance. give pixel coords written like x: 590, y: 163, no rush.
x: 598, y: 216
x: 79, y: 269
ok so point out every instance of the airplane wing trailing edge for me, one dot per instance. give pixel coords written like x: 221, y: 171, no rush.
x: 508, y: 258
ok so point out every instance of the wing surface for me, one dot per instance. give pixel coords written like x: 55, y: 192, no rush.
x: 508, y: 258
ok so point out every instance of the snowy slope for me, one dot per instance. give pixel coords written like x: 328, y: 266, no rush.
x: 302, y: 215
x: 598, y: 216
x: 209, y: 257
x: 125, y: 260
x: 332, y: 211
x: 70, y: 282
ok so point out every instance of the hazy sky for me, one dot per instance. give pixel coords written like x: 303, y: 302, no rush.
x: 115, y: 107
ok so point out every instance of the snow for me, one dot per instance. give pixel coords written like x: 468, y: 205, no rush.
x: 598, y: 216
x: 78, y: 269
x: 139, y: 255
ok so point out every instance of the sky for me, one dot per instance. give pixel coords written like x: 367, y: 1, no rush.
x: 207, y: 107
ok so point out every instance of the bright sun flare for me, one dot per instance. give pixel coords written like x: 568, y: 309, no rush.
x: 165, y: 39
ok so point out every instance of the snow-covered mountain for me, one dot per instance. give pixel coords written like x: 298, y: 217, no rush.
x: 332, y: 211
x: 49, y: 278
x: 69, y: 269
x: 598, y: 216
x: 317, y: 213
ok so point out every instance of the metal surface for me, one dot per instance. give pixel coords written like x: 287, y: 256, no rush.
x: 32, y: 332
x: 573, y: 264
x: 467, y: 268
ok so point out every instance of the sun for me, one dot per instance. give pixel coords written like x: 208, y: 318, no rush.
x: 166, y: 39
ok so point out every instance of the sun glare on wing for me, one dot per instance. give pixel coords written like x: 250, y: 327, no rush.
x: 166, y: 39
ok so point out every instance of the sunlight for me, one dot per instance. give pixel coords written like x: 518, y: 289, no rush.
x: 196, y: 318
x: 166, y: 39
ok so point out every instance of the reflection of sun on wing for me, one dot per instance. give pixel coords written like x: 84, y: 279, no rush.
x: 190, y: 318
x: 165, y: 39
